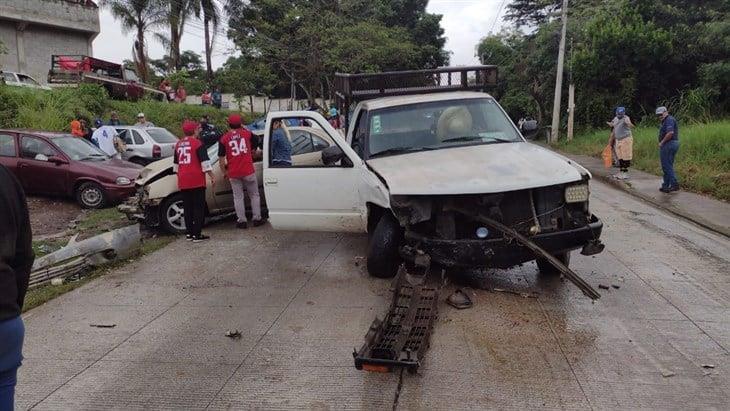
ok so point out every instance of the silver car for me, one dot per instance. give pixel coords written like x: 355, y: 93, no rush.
x: 146, y: 144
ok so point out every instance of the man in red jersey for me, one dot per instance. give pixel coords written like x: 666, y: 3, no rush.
x: 191, y: 163
x: 235, y: 153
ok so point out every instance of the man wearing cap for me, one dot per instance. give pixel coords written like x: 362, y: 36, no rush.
x: 107, y: 139
x: 235, y: 153
x: 191, y: 163
x: 208, y: 132
x: 142, y: 121
x: 621, y: 136
x: 668, y: 147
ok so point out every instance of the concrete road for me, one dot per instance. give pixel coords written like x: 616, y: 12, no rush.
x: 303, y: 303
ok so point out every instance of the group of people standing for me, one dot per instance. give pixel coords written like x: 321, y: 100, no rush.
x: 622, y: 141
x: 178, y: 95
x: 237, y: 150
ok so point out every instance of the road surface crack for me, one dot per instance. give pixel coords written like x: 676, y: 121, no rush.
x: 398, y: 390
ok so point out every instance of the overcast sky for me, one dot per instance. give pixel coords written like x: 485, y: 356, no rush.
x: 465, y: 22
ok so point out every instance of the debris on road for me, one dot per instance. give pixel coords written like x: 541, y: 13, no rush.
x: 523, y: 295
x: 603, y: 287
x: 234, y: 334
x: 103, y: 325
x: 615, y: 286
x: 667, y: 373
x: 402, y: 338
x: 708, y: 365
x: 459, y: 300
x: 57, y: 281
x: 78, y: 256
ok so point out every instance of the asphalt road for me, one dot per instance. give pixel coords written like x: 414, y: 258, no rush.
x: 303, y: 301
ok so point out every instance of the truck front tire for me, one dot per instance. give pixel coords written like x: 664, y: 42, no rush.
x: 548, y: 269
x: 383, y: 256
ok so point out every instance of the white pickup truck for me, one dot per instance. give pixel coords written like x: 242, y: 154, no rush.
x: 417, y: 172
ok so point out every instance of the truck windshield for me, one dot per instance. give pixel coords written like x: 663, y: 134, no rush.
x: 440, y: 124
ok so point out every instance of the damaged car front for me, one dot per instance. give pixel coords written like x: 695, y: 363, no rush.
x: 466, y: 164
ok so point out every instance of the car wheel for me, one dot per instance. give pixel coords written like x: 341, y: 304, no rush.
x: 383, y: 257
x: 90, y: 195
x: 172, y: 214
x: 548, y: 269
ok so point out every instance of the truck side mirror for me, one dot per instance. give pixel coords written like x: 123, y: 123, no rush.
x: 333, y: 154
x: 529, y: 129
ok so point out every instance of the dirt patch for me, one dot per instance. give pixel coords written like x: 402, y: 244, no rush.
x: 51, y: 215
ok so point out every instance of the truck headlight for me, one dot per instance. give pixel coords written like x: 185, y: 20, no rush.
x: 577, y: 193
x: 123, y: 181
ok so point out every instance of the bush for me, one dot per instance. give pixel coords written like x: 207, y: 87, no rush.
x: 53, y: 110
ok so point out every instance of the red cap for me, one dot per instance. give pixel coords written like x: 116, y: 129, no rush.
x: 234, y: 120
x: 189, y: 127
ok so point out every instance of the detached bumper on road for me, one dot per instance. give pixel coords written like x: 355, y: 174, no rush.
x: 500, y: 252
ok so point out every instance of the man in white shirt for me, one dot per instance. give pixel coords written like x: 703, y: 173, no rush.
x: 107, y: 139
x: 142, y: 121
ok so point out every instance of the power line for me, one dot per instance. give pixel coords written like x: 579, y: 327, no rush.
x: 499, y: 11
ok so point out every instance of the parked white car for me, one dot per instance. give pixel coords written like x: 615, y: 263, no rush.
x: 146, y: 144
x: 12, y: 78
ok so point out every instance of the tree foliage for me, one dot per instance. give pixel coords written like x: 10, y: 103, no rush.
x: 307, y: 41
x: 633, y: 53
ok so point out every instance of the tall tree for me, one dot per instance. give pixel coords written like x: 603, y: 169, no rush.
x: 210, y: 13
x: 178, y: 12
x: 140, y: 16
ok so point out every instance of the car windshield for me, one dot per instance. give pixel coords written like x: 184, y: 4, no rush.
x: 78, y: 149
x: 161, y: 135
x: 440, y: 124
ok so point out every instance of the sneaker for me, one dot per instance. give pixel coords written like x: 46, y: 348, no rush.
x: 675, y: 188
x: 242, y: 225
x: 200, y: 238
x: 259, y: 223
x: 188, y: 237
x: 664, y: 190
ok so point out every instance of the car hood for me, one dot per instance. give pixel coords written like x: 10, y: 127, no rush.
x: 153, y: 169
x: 116, y: 167
x: 477, y: 169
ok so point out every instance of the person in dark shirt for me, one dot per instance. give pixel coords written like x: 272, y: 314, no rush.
x: 208, y: 132
x: 114, y: 120
x: 217, y: 98
x: 16, y: 260
x: 668, y: 147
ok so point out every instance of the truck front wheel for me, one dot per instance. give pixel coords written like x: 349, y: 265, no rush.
x: 383, y: 256
x: 548, y: 269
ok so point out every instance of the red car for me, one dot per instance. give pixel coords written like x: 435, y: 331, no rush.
x: 60, y: 164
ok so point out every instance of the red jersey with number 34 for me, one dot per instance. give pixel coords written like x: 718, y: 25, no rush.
x: 237, y: 144
x: 189, y: 164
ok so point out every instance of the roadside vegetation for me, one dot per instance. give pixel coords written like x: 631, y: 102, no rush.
x: 702, y: 164
x: 53, y: 110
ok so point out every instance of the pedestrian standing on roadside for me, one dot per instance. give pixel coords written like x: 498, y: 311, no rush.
x: 206, y: 99
x: 142, y: 121
x: 107, y: 139
x: 76, y: 129
x: 668, y: 147
x: 191, y: 163
x: 181, y: 94
x: 16, y: 260
x: 623, y: 140
x: 208, y: 132
x: 114, y: 120
x: 217, y: 98
x: 235, y: 154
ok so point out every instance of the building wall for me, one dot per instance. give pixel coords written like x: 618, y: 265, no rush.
x: 33, y: 30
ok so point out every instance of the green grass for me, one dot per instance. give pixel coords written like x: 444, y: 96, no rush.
x: 43, y: 294
x: 702, y: 164
x: 53, y: 110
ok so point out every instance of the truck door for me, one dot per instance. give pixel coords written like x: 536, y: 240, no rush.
x: 309, y: 193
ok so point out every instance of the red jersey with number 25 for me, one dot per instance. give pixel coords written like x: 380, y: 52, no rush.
x: 189, y: 166
x: 237, y: 143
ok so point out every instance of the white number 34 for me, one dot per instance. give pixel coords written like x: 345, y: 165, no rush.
x: 238, y: 147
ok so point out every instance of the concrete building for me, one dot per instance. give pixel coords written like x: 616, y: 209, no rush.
x: 33, y: 30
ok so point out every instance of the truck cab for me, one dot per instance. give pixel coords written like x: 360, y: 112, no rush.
x: 423, y: 164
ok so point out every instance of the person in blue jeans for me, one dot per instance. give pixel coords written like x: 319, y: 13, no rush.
x: 668, y: 147
x: 16, y: 259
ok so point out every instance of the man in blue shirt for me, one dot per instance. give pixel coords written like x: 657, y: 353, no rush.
x: 217, y: 98
x: 280, y: 146
x: 668, y: 147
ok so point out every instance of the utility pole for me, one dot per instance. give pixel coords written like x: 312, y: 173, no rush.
x: 571, y: 94
x: 554, y: 130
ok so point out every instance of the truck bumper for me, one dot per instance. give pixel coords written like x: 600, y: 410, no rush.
x: 501, y: 252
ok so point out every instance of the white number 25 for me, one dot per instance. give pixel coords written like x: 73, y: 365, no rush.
x: 183, y: 155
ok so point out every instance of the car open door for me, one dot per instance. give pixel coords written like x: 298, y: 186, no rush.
x: 312, y: 194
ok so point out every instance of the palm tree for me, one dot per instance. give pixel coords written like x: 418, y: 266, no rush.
x: 178, y: 12
x: 211, y: 16
x: 140, y: 16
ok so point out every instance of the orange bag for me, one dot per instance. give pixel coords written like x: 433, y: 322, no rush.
x: 607, y: 156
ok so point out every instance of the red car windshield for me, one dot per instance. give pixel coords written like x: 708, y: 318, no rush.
x: 78, y: 149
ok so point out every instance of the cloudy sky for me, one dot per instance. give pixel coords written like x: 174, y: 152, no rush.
x: 465, y: 22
